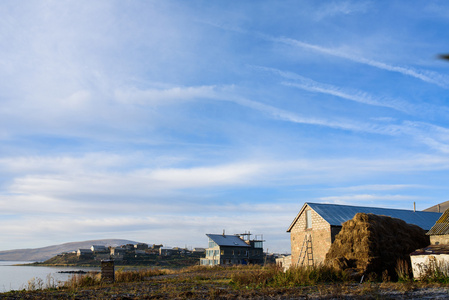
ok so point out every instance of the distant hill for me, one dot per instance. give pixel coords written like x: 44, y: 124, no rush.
x: 42, y: 254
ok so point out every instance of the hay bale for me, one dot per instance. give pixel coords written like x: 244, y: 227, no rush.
x: 371, y: 243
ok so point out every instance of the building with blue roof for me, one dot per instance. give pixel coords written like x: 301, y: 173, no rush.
x: 225, y: 249
x: 314, y: 228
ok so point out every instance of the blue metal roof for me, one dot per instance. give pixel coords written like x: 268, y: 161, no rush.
x: 337, y: 214
x: 228, y: 240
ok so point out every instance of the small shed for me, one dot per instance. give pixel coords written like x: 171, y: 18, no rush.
x: 428, y: 260
x: 436, y: 255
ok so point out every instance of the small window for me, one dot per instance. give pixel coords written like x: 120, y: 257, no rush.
x: 258, y: 244
x: 308, y: 219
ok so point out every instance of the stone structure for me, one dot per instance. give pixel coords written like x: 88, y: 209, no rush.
x: 141, y: 246
x: 167, y: 251
x: 439, y: 233
x: 107, y: 271
x: 84, y: 253
x: 284, y: 261
x: 311, y: 225
x: 313, y: 230
x: 436, y: 255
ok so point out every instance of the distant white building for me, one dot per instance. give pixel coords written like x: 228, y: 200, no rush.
x: 99, y: 248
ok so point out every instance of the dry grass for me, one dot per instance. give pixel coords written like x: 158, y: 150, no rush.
x: 370, y: 243
x: 273, y: 276
x: 248, y: 282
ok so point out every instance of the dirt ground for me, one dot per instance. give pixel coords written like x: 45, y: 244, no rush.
x: 217, y: 286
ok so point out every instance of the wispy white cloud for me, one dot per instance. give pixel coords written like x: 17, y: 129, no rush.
x: 334, y: 8
x: 427, y: 76
x: 380, y: 187
x: 348, y: 94
x: 344, y: 199
x: 147, y: 228
x: 164, y: 96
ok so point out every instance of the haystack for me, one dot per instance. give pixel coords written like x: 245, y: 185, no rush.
x: 371, y: 243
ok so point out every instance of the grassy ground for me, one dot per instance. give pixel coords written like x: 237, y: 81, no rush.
x: 243, y: 282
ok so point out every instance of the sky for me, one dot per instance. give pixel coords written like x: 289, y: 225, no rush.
x: 162, y: 121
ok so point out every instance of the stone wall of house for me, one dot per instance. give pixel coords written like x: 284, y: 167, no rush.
x: 321, y: 237
x: 439, y: 239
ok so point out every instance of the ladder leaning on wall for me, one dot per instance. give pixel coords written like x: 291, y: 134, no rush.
x: 306, y: 251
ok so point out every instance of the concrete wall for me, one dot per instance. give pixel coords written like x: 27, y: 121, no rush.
x: 439, y: 239
x: 321, y: 237
x: 284, y: 262
x: 422, y: 264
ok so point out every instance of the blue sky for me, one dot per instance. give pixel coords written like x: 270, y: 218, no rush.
x: 161, y: 121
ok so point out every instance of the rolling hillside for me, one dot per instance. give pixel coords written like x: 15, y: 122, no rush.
x: 41, y: 254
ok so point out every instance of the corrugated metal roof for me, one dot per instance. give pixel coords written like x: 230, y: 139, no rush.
x: 337, y: 214
x: 228, y: 240
x: 441, y: 207
x: 441, y: 225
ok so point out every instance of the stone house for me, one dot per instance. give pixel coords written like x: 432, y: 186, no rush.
x: 314, y: 228
x: 199, y: 250
x: 118, y: 253
x: 84, y: 253
x: 167, y: 251
x: 232, y: 249
x: 141, y: 246
x: 437, y: 253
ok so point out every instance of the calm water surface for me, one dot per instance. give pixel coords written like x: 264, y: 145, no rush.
x: 17, y: 277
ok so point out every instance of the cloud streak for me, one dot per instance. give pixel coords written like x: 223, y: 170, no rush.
x: 426, y: 76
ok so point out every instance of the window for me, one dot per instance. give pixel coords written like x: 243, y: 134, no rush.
x: 212, y: 244
x: 222, y: 252
x: 308, y: 219
x: 258, y: 244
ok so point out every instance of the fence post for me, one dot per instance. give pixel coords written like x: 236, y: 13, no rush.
x: 107, y: 270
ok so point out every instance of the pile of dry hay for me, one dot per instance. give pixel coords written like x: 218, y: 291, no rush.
x: 371, y: 243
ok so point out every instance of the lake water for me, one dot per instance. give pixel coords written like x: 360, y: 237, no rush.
x: 17, y: 277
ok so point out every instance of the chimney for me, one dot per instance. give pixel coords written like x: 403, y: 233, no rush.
x: 223, y: 232
x: 438, y: 208
x: 414, y: 206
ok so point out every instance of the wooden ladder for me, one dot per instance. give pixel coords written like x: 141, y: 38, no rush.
x: 306, y: 251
